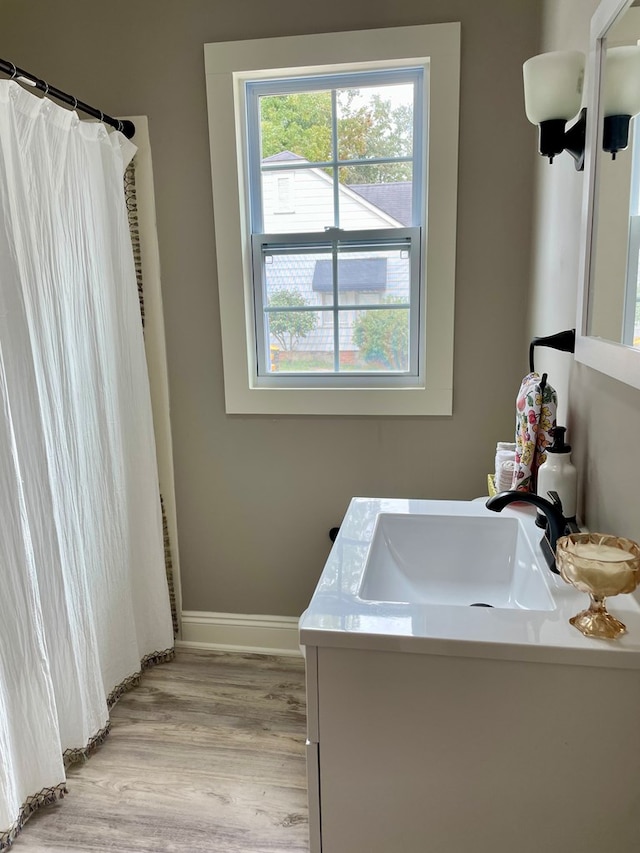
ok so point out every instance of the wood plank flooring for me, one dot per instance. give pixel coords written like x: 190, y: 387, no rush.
x: 207, y: 754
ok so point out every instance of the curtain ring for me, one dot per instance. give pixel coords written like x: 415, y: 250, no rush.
x: 120, y: 126
x: 46, y: 87
x: 15, y: 71
x: 101, y: 115
x: 75, y: 102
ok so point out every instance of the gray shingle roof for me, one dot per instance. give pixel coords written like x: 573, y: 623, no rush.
x: 282, y: 155
x: 394, y: 198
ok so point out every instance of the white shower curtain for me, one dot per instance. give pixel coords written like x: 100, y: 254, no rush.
x: 83, y: 595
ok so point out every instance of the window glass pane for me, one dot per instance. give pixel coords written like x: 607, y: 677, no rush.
x: 371, y: 197
x: 299, y: 342
x: 375, y: 121
x: 374, y: 276
x: 292, y: 279
x: 379, y: 339
x: 297, y: 124
x: 305, y: 204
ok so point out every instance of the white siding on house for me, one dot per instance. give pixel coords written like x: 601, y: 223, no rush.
x: 310, y: 200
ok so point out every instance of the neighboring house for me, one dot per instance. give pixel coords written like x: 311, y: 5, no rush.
x: 394, y: 198
x: 298, y: 200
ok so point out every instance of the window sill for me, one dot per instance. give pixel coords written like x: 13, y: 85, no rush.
x: 387, y: 402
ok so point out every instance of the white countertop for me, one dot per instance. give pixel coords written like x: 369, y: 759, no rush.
x: 338, y: 617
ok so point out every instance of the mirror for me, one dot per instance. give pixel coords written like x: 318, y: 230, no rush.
x: 608, y: 329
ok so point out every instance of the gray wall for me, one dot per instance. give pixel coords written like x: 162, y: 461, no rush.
x: 257, y: 496
x: 603, y: 414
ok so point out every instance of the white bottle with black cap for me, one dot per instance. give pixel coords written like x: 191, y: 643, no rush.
x: 557, y: 474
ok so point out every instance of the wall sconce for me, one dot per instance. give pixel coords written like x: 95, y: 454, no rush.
x: 621, y: 92
x: 553, y: 95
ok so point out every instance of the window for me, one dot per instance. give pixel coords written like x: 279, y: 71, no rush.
x: 357, y: 165
x: 336, y: 239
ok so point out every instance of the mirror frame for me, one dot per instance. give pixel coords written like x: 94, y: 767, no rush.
x: 615, y: 360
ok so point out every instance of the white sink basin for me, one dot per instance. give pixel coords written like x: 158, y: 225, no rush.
x: 453, y: 559
x: 402, y: 574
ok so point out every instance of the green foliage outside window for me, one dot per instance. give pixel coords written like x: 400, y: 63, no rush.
x: 301, y: 123
x: 383, y: 336
x: 289, y: 327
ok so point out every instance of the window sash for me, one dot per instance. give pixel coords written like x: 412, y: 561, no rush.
x: 337, y: 244
x: 254, y: 90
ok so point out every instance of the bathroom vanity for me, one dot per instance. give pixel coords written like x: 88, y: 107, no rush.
x: 436, y: 725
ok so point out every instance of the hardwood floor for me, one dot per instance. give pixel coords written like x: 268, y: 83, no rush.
x: 207, y: 754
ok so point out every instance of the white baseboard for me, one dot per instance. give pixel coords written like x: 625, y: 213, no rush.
x: 237, y: 632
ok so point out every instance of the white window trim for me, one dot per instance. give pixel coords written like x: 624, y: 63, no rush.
x: 227, y: 66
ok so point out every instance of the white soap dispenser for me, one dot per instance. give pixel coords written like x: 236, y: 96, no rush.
x: 557, y: 474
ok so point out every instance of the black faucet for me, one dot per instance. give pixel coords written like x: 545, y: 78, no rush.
x: 556, y: 522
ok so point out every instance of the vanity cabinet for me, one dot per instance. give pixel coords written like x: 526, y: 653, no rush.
x: 434, y: 753
x: 439, y: 727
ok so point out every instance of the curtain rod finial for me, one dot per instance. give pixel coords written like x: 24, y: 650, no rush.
x: 128, y: 128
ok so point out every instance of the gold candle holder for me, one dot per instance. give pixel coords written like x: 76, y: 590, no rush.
x: 601, y: 565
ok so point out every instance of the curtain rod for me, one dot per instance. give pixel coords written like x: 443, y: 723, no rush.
x: 123, y: 125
